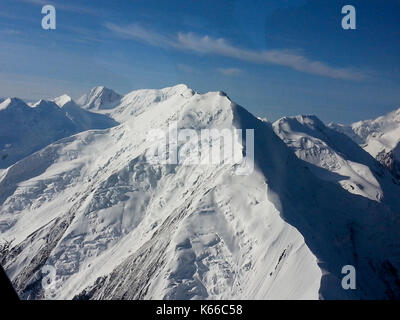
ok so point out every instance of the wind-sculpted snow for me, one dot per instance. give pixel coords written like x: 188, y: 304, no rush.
x: 116, y: 226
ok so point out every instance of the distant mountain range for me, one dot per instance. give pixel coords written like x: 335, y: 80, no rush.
x: 379, y: 137
x: 25, y: 129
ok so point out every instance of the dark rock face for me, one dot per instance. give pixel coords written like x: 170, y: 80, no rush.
x: 390, y: 161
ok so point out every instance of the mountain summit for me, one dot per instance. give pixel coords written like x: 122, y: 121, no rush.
x: 99, y: 98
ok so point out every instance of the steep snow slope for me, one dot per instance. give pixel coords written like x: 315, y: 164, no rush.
x: 25, y: 129
x: 99, y: 98
x: 116, y: 226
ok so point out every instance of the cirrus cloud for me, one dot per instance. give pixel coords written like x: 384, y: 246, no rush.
x: 229, y: 71
x: 219, y: 46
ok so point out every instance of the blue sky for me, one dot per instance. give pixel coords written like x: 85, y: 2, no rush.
x: 273, y: 57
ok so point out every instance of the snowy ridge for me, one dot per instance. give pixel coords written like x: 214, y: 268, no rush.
x: 117, y: 227
x: 62, y: 100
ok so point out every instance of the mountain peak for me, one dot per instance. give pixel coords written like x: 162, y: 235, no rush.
x: 99, y: 90
x: 62, y: 100
x: 180, y: 88
x: 9, y: 103
x: 308, y: 120
x: 99, y: 98
x: 45, y: 104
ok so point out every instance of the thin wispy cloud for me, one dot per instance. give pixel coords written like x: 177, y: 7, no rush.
x: 221, y: 47
x: 186, y: 68
x: 229, y: 71
x: 137, y: 32
x: 11, y: 32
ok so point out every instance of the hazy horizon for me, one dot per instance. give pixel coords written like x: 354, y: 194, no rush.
x: 275, y: 59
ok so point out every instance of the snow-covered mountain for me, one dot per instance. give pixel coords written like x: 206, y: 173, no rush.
x: 379, y: 137
x: 116, y: 226
x: 25, y: 129
x: 99, y: 98
x: 84, y: 119
x: 341, y: 160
